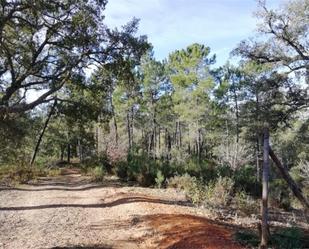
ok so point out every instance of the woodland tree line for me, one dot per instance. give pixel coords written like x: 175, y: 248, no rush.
x: 72, y: 89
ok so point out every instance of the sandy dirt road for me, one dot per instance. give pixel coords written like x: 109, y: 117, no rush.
x: 70, y: 212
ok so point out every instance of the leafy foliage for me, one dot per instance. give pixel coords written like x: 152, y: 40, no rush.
x: 179, y: 122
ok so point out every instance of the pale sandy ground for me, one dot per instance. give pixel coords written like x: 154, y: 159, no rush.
x: 69, y: 212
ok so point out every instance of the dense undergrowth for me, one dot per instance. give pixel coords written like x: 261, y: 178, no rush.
x: 282, y: 238
x: 205, y: 184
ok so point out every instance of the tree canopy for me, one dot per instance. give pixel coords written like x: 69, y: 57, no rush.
x: 46, y: 44
x: 74, y: 91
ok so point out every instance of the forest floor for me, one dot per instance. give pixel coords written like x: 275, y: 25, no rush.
x: 68, y: 211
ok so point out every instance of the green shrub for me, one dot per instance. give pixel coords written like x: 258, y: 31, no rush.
x: 97, y: 174
x: 141, y: 168
x: 245, y: 179
x: 14, y: 174
x: 159, y: 179
x: 145, y: 179
x: 247, y: 238
x: 198, y: 193
x: 278, y: 195
x: 54, y: 172
x: 23, y: 174
x: 179, y: 156
x: 193, y: 188
x: 219, y: 193
x: 105, y: 163
x: 215, y: 193
x: 202, y: 169
x: 121, y: 169
x: 245, y: 203
x: 184, y: 182
x: 288, y: 238
x: 93, y: 161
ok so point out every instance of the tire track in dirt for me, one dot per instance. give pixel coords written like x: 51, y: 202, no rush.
x: 70, y: 212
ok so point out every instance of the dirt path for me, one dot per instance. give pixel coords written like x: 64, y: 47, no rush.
x: 69, y: 212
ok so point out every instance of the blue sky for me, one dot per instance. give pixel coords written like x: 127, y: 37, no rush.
x: 175, y: 24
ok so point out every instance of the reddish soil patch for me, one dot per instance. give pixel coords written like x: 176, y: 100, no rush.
x: 180, y: 231
x: 72, y: 212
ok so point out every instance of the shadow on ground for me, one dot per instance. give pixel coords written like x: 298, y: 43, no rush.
x: 121, y: 201
x: 61, y: 187
x: 81, y: 247
x: 163, y: 231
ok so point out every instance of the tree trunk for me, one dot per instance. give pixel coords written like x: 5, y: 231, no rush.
x: 132, y: 126
x: 291, y: 183
x: 176, y: 134
x: 42, y: 133
x: 180, y: 138
x: 235, y: 158
x: 159, y: 139
x: 114, y: 122
x: 257, y: 159
x: 198, y: 143
x: 258, y: 163
x: 154, y: 143
x: 227, y: 140
x: 169, y: 146
x: 129, y: 131
x: 149, y: 143
x: 69, y: 153
x: 116, y: 130
x: 258, y: 137
x: 264, y: 207
x: 165, y: 140
x: 62, y: 150
x: 237, y: 116
x: 97, y: 147
x: 80, y: 151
